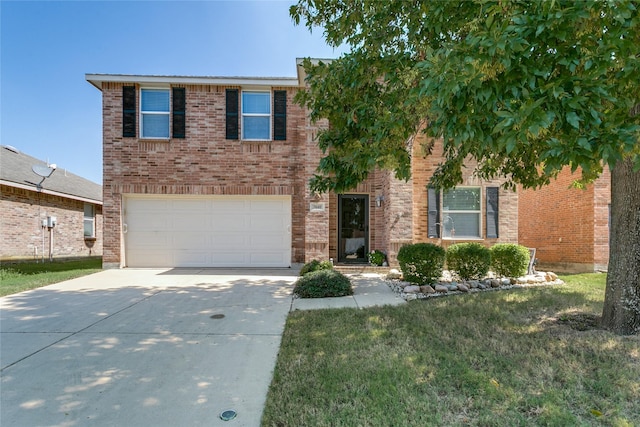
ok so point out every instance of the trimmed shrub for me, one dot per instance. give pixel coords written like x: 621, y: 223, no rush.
x: 376, y: 257
x: 315, y: 265
x: 509, y: 260
x: 469, y: 260
x: 421, y: 263
x: 323, y: 283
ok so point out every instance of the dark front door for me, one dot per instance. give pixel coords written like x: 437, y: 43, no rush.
x: 353, y: 227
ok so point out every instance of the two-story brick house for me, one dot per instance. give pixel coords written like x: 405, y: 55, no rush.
x: 214, y: 171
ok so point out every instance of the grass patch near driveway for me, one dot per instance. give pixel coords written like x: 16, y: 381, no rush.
x: 505, y: 358
x: 19, y: 277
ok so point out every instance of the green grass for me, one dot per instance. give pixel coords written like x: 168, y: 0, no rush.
x: 19, y: 277
x: 511, y: 358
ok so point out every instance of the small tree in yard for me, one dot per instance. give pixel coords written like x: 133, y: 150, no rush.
x: 524, y: 88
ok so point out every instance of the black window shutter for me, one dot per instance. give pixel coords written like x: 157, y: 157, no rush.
x: 128, y: 111
x: 232, y: 114
x: 280, y: 115
x: 492, y: 212
x: 179, y: 112
x: 433, y: 214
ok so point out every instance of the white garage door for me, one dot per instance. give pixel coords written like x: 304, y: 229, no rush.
x: 207, y: 231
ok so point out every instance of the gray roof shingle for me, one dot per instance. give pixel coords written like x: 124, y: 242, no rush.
x: 16, y: 167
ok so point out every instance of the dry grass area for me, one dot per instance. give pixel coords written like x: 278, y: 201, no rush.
x: 513, y: 358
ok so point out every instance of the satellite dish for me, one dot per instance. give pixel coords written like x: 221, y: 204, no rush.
x: 43, y: 171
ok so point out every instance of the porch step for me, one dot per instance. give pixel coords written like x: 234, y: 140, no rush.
x: 360, y: 268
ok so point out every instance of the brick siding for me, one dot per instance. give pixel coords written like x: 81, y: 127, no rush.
x: 21, y: 215
x: 423, y: 168
x: 569, y: 227
x: 205, y: 163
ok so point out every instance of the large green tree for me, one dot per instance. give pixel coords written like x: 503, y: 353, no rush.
x: 524, y: 87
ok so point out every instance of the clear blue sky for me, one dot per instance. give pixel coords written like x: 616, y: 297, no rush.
x: 49, y: 111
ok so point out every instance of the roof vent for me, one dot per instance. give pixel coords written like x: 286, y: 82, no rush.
x: 11, y: 148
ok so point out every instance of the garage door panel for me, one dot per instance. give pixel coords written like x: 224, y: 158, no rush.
x: 148, y: 205
x: 229, y: 222
x: 149, y: 239
x: 189, y: 224
x: 189, y: 258
x: 190, y: 241
x: 149, y: 223
x: 263, y: 243
x: 230, y: 242
x: 150, y: 258
x: 267, y: 224
x: 230, y: 259
x: 190, y: 205
x: 230, y: 205
x: 265, y: 206
x: 264, y: 259
x: 208, y: 231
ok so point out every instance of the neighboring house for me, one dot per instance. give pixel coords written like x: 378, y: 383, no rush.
x: 214, y: 171
x: 29, y: 206
x: 568, y: 227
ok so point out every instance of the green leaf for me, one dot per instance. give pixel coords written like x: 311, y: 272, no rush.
x: 573, y: 119
x: 503, y: 113
x: 489, y: 21
x: 584, y: 143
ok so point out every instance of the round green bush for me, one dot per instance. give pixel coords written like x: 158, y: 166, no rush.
x: 421, y: 263
x: 509, y: 259
x: 315, y: 265
x: 323, y: 283
x: 469, y: 260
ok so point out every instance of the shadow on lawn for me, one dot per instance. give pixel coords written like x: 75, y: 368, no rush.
x: 544, y: 305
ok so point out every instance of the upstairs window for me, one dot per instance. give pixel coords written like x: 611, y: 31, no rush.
x: 256, y: 115
x: 89, y: 220
x: 154, y: 113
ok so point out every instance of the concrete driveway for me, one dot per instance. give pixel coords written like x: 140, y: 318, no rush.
x: 143, y: 347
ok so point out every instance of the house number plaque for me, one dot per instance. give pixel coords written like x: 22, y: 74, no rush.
x: 317, y: 207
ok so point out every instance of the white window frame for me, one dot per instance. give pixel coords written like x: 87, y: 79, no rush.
x: 152, y: 112
x: 445, y: 214
x: 86, y: 219
x: 269, y: 115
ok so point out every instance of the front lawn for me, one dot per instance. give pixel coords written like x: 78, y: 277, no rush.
x: 509, y: 358
x: 19, y: 277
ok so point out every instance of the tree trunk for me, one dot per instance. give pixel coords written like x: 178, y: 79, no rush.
x: 621, y: 313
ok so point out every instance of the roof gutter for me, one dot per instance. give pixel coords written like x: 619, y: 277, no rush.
x: 50, y: 192
x: 98, y: 79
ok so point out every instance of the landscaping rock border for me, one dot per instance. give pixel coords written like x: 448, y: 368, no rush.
x: 448, y: 286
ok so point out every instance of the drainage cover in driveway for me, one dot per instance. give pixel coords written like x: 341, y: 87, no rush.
x: 228, y: 415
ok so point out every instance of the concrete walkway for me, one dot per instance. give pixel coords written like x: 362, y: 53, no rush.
x: 161, y: 347
x: 368, y: 290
